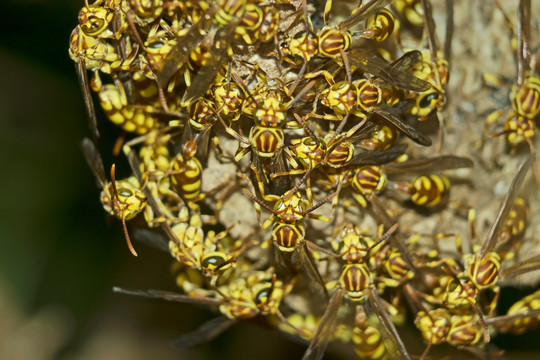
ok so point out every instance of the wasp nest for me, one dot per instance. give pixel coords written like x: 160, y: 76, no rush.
x: 296, y: 161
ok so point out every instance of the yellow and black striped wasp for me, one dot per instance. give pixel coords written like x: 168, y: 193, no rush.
x: 217, y: 24
x: 121, y: 198
x: 90, y: 47
x: 519, y: 124
x: 458, y: 326
x: 482, y: 272
x: 247, y: 294
x: 335, y: 41
x: 357, y: 286
x: 376, y: 97
x: 427, y: 189
x: 435, y: 70
x: 522, y: 316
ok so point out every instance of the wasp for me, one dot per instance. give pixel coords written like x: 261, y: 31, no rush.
x: 311, y: 152
x: 186, y: 173
x: 519, y: 125
x: 458, y: 327
x: 303, y: 326
x: 423, y: 190
x: 335, y: 41
x: 123, y: 198
x: 155, y: 164
x: 247, y: 295
x: 384, y: 262
x: 435, y: 71
x: 369, y: 343
x: 225, y: 15
x: 89, y: 47
x: 364, y: 97
x: 138, y: 119
x: 146, y: 11
x: 356, y: 283
x: 482, y: 270
x: 380, y: 139
x: 522, y: 316
x: 288, y: 215
x: 288, y: 228
x: 513, y: 229
x: 269, y: 112
x: 411, y: 10
x: 208, y: 252
x: 258, y: 24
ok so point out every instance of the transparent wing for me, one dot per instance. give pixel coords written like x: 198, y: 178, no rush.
x: 323, y: 335
x: 377, y: 157
x: 82, y: 75
x: 207, y: 74
x: 396, y: 239
x: 168, y: 296
x: 93, y: 158
x: 522, y: 267
x: 363, y: 13
x: 407, y: 60
x: 437, y: 163
x: 382, y: 69
x: 524, y: 35
x: 394, y: 119
x: 185, y: 45
x: 152, y: 238
x: 506, y: 205
x: 309, y: 268
x: 394, y: 345
x: 204, y: 333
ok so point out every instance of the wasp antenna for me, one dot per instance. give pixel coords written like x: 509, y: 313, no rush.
x: 302, y: 92
x: 346, y: 65
x: 383, y: 238
x: 298, y: 184
x: 306, y: 16
x: 306, y: 127
x: 229, y: 75
x: 134, y: 30
x: 258, y: 201
x: 128, y: 240
x: 242, y: 84
x: 322, y: 202
x: 426, y: 351
x: 162, y: 98
x: 113, y: 181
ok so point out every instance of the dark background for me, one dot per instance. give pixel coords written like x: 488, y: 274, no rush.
x: 59, y: 255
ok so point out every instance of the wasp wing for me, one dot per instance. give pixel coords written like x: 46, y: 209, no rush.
x: 168, y: 296
x: 375, y: 65
x: 437, y: 163
x: 392, y: 116
x: 394, y: 345
x: 323, y: 335
x: 82, y: 75
x: 93, y: 159
x: 362, y: 13
x: 204, y: 333
x: 506, y: 205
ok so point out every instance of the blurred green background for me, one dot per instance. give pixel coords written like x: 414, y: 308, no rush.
x: 59, y: 256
